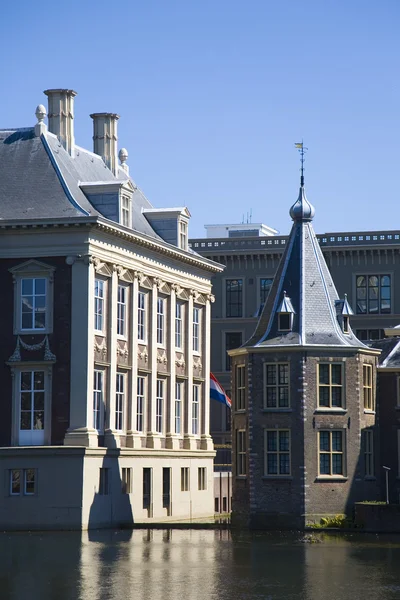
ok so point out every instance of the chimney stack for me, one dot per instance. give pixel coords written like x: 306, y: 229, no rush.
x: 105, y: 139
x: 61, y: 117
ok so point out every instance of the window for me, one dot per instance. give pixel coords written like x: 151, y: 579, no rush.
x: 369, y: 403
x: 233, y: 298
x: 126, y: 480
x: 240, y: 387
x: 202, y: 479
x: 195, y: 409
x: 277, y: 452
x: 32, y: 408
x: 368, y: 439
x: 330, y: 386
x: 121, y: 310
x: 98, y: 304
x: 159, y: 405
x: 104, y: 476
x: 373, y: 294
x: 331, y: 453
x: 160, y: 320
x: 346, y: 324
x: 147, y: 476
x: 265, y: 286
x: 98, y: 400
x: 178, y: 407
x: 23, y: 481
x: 196, y: 330
x: 276, y: 377
x: 285, y: 321
x: 33, y: 303
x: 141, y: 316
x: 183, y: 232
x: 241, y: 452
x: 370, y: 334
x: 125, y: 211
x: 140, y: 399
x: 178, y: 325
x: 120, y: 401
x: 185, y: 479
x: 233, y: 339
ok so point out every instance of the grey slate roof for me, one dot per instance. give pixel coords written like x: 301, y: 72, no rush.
x: 304, y: 276
x: 390, y: 352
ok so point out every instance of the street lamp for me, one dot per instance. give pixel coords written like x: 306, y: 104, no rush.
x: 387, y: 469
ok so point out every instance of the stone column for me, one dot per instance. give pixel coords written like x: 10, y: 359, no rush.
x: 81, y: 431
x: 111, y: 436
x: 172, y: 440
x: 133, y: 438
x: 206, y: 440
x: 153, y: 438
x: 189, y: 440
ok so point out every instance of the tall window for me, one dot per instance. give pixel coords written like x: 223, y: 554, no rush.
x: 104, y: 481
x: 196, y: 330
x: 183, y: 231
x: 331, y: 453
x: 330, y: 386
x: 233, y: 298
x: 196, y: 409
x: 160, y: 320
x: 141, y: 316
x: 277, y: 452
x: 185, y: 481
x: 233, y: 339
x: 367, y: 388
x: 202, y: 478
x: 373, y: 294
x: 98, y: 304
x: 241, y: 452
x: 140, y: 400
x: 240, y: 387
x: 32, y: 407
x: 33, y: 303
x: 265, y: 286
x: 126, y: 480
x: 120, y: 401
x: 178, y: 325
x: 98, y: 400
x: 159, y: 405
x: 121, y: 310
x: 368, y: 440
x: 178, y: 406
x: 276, y: 377
x: 125, y: 211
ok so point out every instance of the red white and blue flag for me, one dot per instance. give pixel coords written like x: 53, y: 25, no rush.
x: 217, y: 392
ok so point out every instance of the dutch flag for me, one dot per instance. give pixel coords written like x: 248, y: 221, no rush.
x: 218, y: 393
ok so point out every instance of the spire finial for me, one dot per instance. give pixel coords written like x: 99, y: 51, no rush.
x: 302, y: 149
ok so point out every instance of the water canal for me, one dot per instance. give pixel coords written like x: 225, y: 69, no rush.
x: 197, y: 565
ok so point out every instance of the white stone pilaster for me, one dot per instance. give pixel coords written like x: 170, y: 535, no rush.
x: 153, y: 438
x: 111, y: 436
x: 172, y: 440
x: 206, y: 440
x: 133, y: 438
x: 189, y: 441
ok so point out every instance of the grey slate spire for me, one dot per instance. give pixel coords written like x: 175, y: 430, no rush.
x: 304, y: 278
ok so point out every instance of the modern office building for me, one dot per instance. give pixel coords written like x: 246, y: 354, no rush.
x: 105, y: 348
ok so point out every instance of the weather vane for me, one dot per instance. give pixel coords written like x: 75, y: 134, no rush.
x: 302, y: 149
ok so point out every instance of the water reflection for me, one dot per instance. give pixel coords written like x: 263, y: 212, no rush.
x: 196, y: 564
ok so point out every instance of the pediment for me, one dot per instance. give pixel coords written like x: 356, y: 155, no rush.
x: 31, y: 266
x: 183, y: 294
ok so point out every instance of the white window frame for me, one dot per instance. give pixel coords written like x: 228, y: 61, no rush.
x: 161, y: 304
x: 33, y: 269
x: 125, y: 210
x: 179, y: 391
x: 31, y: 437
x: 98, y: 399
x: 99, y: 299
x: 185, y: 479
x: 196, y: 399
x: 18, y: 472
x: 197, y: 330
x: 141, y: 402
x: 160, y: 405
x: 122, y: 310
x: 183, y: 234
x: 285, y: 314
x: 25, y: 491
x: 142, y: 316
x: 202, y: 478
x: 179, y: 320
x: 240, y: 387
x: 331, y: 452
x: 278, y: 386
x: 120, y: 400
x: 278, y: 452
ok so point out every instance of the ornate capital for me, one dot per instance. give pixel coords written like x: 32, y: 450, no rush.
x: 176, y: 287
x: 193, y: 293
x: 158, y: 282
x: 118, y: 269
x: 211, y: 298
x: 138, y: 275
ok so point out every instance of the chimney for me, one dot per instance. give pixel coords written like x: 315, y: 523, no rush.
x: 105, y: 139
x: 61, y: 117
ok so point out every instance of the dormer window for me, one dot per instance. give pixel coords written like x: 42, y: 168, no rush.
x: 345, y: 324
x: 285, y: 314
x: 183, y: 235
x: 285, y: 322
x: 125, y: 210
x: 343, y: 312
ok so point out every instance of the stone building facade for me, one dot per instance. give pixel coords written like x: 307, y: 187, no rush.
x: 104, y: 364
x: 303, y: 397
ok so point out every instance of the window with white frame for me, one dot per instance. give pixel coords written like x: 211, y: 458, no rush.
x: 368, y: 391
x: 202, y: 478
x: 98, y: 400
x: 99, y: 301
x: 196, y: 409
x: 241, y: 466
x: 178, y: 325
x: 125, y: 210
x: 183, y: 235
x: 23, y: 482
x: 142, y: 301
x: 276, y: 378
x: 178, y: 406
x: 160, y: 320
x: 277, y: 452
x: 185, y: 480
x: 330, y: 385
x: 331, y: 453
x: 240, y: 387
x: 196, y: 329
x: 33, y: 303
x: 29, y: 482
x: 122, y: 298
x: 140, y: 403
x: 368, y: 443
x: 160, y: 405
x: 120, y: 394
x: 32, y: 417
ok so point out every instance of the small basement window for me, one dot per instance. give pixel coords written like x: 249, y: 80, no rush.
x: 285, y: 322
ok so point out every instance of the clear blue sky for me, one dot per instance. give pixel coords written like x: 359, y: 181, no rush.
x: 213, y: 94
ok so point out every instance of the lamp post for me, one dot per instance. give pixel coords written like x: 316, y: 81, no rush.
x: 387, y: 469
